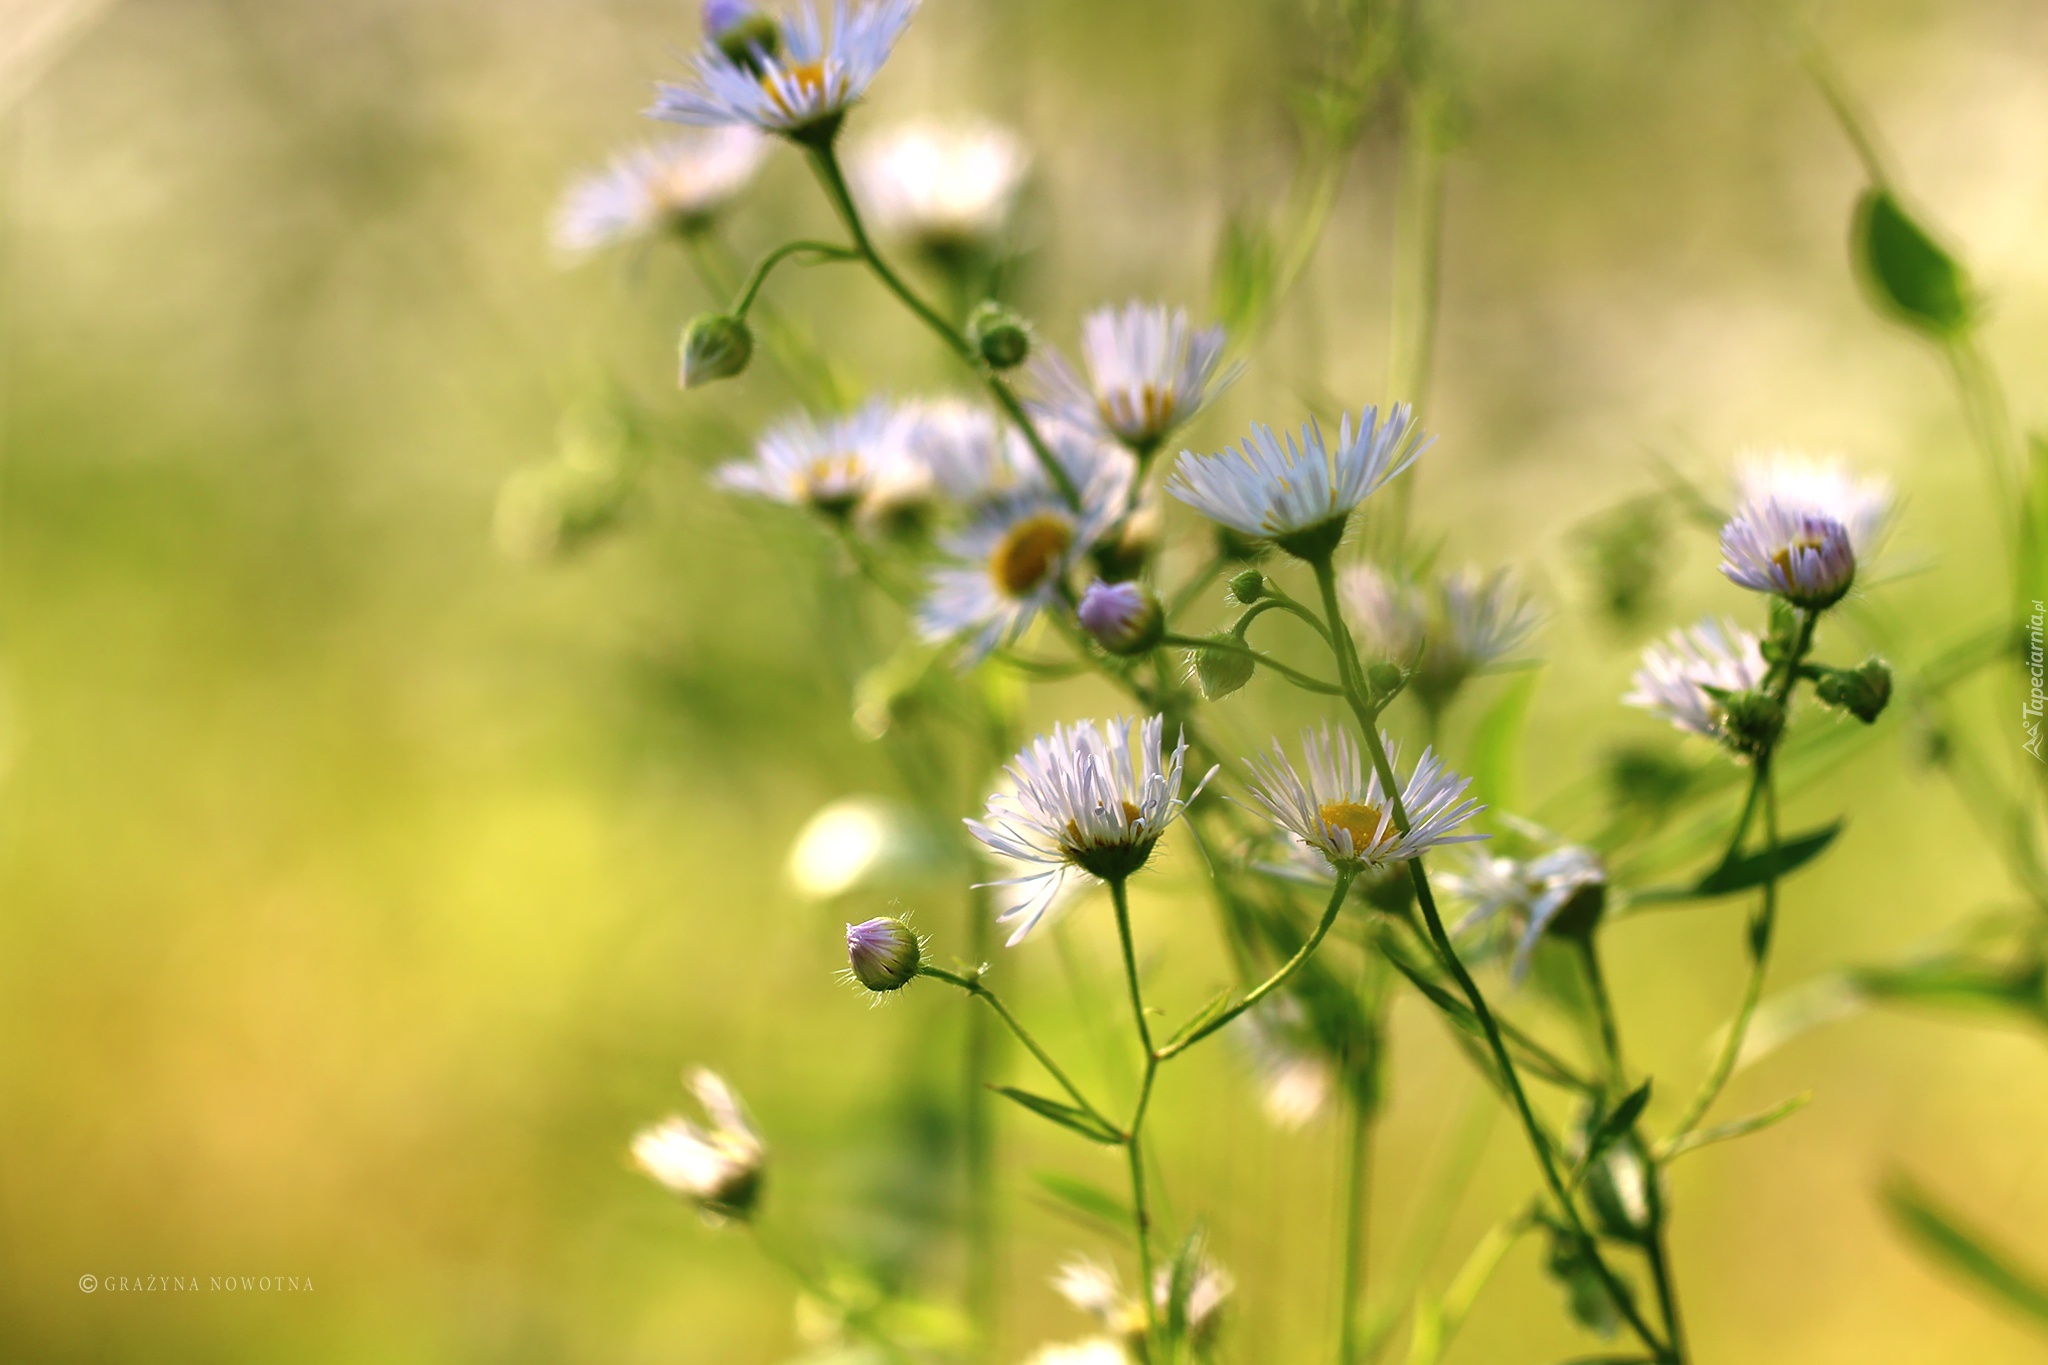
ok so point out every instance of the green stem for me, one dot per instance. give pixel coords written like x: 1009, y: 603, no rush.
x: 1133, y: 1146
x: 1361, y: 1110
x: 1230, y: 646
x: 826, y: 251
x: 1603, y: 1010
x: 974, y: 986
x: 825, y: 163
x: 978, y: 1138
x: 1271, y: 983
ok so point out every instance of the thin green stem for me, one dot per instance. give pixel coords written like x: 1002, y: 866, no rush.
x: 1360, y: 1111
x: 974, y: 986
x: 1230, y: 646
x: 1603, y: 1012
x: 825, y: 251
x: 1272, y: 983
x: 978, y: 1137
x: 1133, y: 1134
x: 825, y: 164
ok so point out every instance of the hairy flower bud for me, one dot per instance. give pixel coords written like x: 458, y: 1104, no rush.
x: 1751, y: 721
x: 742, y: 33
x: 1863, y: 692
x: 1385, y: 680
x: 1248, y: 587
x: 1218, y: 672
x: 883, y: 954
x: 715, y: 346
x: 1124, y: 618
x: 1000, y: 336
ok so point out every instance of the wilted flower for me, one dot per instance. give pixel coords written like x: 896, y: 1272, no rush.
x: 1533, y: 891
x: 828, y: 466
x: 800, y: 83
x: 1086, y: 797
x: 1148, y: 373
x: 1341, y: 811
x: 717, y: 1167
x: 1299, y: 496
x: 883, y: 954
x: 941, y: 185
x: 1012, y: 560
x: 1680, y: 676
x: 1124, y: 618
x: 676, y: 185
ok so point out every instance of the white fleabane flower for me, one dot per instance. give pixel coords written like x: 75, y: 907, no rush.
x: 1803, y: 556
x: 941, y: 185
x: 829, y: 466
x: 718, y: 1167
x: 1086, y: 797
x: 1148, y: 373
x: 1093, y: 1351
x: 1389, y: 618
x: 1297, y: 1078
x: 1486, y: 617
x: 1532, y: 891
x: 1299, y: 495
x: 676, y: 185
x: 1822, y: 487
x: 1095, y: 1289
x: 1011, y: 561
x: 1677, y: 671
x: 804, y: 84
x: 1340, y: 811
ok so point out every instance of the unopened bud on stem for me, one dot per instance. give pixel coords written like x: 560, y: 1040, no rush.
x: 1000, y: 336
x: 883, y: 954
x: 715, y: 346
x: 1124, y: 618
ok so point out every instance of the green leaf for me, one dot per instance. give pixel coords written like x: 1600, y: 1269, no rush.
x: 1908, y: 274
x: 1089, y: 1202
x: 1727, y: 1132
x: 1064, y: 1115
x: 1964, y: 1251
x: 1960, y: 981
x: 1617, y: 1123
x: 1747, y: 870
x: 1245, y: 276
x: 1497, y: 744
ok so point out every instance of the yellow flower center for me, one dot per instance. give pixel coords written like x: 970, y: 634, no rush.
x: 805, y: 80
x: 1149, y: 416
x: 833, y: 480
x: 1029, y: 552
x: 1783, y: 558
x: 1074, y: 837
x: 1357, y: 819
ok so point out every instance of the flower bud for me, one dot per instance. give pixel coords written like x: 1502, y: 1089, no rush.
x: 882, y: 954
x: 1124, y: 618
x: 1863, y: 692
x: 1750, y: 721
x: 1220, y: 672
x: 742, y: 33
x: 1000, y: 336
x: 715, y: 346
x: 1385, y: 679
x: 1248, y: 587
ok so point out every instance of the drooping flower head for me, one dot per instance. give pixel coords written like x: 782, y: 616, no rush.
x: 717, y: 1167
x: 942, y: 186
x: 1013, y: 559
x: 1086, y: 797
x: 828, y: 465
x: 801, y: 83
x: 1299, y: 495
x: 1533, y: 891
x: 677, y: 185
x: 1340, y: 810
x: 1148, y: 373
x: 1681, y: 674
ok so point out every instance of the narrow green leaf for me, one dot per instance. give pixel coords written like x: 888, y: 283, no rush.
x: 1965, y: 1251
x: 1089, y: 1202
x: 1617, y: 1123
x: 1906, y: 271
x: 1955, y: 980
x: 1245, y: 275
x: 1064, y: 1115
x: 1754, y: 869
x: 1495, y: 756
x: 1727, y: 1132
x: 1202, y: 1017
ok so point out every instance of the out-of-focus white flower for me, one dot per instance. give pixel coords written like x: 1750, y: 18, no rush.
x: 941, y: 184
x: 676, y: 185
x: 718, y: 1167
x: 1461, y: 624
x: 1677, y: 671
x: 1296, y: 1078
x: 1340, y: 811
x: 804, y: 85
x: 828, y: 466
x: 861, y: 843
x: 1148, y: 373
x: 1092, y: 1351
x: 1822, y: 487
x: 1299, y: 495
x: 1011, y: 561
x: 1087, y: 797
x: 1095, y: 1289
x: 1532, y: 891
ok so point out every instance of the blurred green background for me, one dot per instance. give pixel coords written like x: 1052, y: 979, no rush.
x: 361, y: 891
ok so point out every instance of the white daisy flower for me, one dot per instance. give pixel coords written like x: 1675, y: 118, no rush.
x: 1465, y: 622
x: 1012, y: 560
x: 1532, y: 891
x: 1093, y: 1351
x: 1296, y: 1078
x: 1094, y: 1288
x: 1823, y: 487
x: 804, y: 84
x: 675, y: 185
x: 1299, y: 496
x: 1341, y: 812
x: 1085, y: 797
x: 1803, y: 556
x: 829, y: 466
x: 717, y: 1167
x: 972, y: 455
x: 1677, y: 671
x: 1148, y: 373
x: 1388, y: 617
x: 941, y: 185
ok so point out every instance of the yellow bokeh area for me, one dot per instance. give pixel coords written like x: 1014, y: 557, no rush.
x: 365, y: 887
